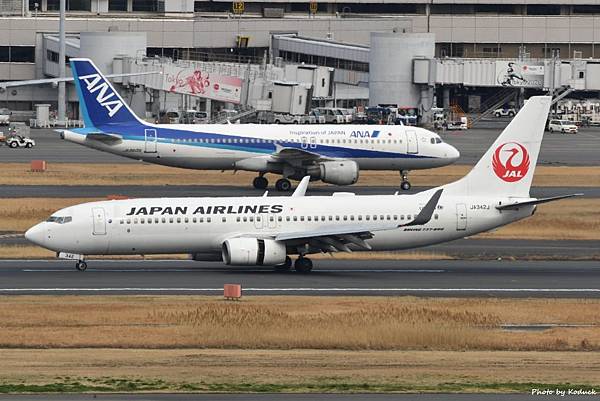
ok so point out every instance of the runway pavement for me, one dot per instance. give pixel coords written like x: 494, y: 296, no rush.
x: 147, y: 191
x: 570, y: 279
x: 559, y: 149
x: 470, y: 248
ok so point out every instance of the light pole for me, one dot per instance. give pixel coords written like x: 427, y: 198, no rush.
x: 61, y: 61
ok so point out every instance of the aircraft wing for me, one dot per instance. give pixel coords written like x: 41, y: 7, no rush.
x: 335, y: 238
x: 291, y: 155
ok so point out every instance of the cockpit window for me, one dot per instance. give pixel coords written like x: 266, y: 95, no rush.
x: 59, y: 219
x: 436, y: 140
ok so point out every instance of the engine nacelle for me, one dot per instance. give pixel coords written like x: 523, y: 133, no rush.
x: 253, y: 252
x: 344, y: 172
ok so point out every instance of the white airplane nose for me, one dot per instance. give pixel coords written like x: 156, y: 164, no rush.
x: 453, y: 153
x: 36, y: 235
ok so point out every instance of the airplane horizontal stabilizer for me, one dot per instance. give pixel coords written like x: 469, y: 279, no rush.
x: 534, y: 202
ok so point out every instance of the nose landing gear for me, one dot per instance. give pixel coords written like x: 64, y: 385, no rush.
x: 405, y: 185
x: 81, y: 265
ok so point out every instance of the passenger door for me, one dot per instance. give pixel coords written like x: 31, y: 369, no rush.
x: 99, y: 221
x: 151, y: 140
x: 412, y: 144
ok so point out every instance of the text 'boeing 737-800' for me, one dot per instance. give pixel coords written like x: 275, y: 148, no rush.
x: 266, y: 230
x: 332, y: 153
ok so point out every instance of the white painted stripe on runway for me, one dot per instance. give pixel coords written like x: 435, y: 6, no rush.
x: 300, y: 289
x: 266, y: 270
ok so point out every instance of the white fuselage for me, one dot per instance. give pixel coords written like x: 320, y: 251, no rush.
x: 201, y: 225
x: 386, y: 147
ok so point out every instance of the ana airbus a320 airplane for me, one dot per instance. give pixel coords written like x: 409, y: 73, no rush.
x: 331, y: 153
x: 266, y: 230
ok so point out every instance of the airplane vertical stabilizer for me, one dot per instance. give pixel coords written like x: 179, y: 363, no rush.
x: 507, y: 167
x: 100, y: 103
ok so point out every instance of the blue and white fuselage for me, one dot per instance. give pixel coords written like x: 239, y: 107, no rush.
x: 332, y: 153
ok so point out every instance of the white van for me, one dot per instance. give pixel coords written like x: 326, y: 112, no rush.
x: 564, y: 126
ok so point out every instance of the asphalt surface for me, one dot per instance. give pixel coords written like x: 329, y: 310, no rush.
x: 469, y: 248
x: 558, y: 149
x: 568, y: 279
x: 147, y: 191
x: 286, y: 397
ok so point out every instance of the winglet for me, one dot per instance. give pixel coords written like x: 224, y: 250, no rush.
x: 425, y: 215
x: 301, y: 189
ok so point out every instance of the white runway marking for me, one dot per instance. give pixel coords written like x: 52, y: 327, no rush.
x: 266, y: 270
x: 300, y: 289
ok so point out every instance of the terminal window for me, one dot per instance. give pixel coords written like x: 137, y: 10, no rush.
x: 17, y: 54
x: 148, y: 5
x: 117, y: 5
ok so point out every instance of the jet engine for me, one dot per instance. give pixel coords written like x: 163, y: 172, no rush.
x: 253, y: 252
x: 344, y: 172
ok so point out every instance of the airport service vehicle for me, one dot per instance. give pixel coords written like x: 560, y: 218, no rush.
x: 19, y: 141
x: 504, y: 112
x: 5, y: 116
x: 265, y: 231
x: 332, y: 115
x: 347, y: 115
x: 194, y: 117
x: 329, y: 153
x: 564, y: 126
x: 318, y: 117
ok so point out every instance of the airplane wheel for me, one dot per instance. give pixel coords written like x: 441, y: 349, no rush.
x: 285, y: 266
x: 81, y: 265
x: 303, y: 265
x: 260, y: 183
x: 283, y: 185
x: 405, y: 185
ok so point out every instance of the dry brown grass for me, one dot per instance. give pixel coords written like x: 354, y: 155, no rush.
x: 25, y: 252
x: 18, y: 214
x: 570, y: 219
x: 354, y: 323
x: 149, y: 174
x: 416, y: 370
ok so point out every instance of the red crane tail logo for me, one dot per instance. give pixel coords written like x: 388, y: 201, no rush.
x: 511, y: 162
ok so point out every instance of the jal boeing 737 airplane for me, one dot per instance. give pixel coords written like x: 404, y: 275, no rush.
x: 266, y: 230
x: 332, y: 153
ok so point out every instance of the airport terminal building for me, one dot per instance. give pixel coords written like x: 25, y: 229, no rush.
x: 348, y: 37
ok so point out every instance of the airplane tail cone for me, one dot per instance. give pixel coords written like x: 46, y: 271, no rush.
x: 507, y: 168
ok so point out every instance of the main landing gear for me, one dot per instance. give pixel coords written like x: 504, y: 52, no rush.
x: 301, y: 265
x: 282, y: 185
x: 260, y: 182
x: 81, y: 265
x: 405, y: 185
